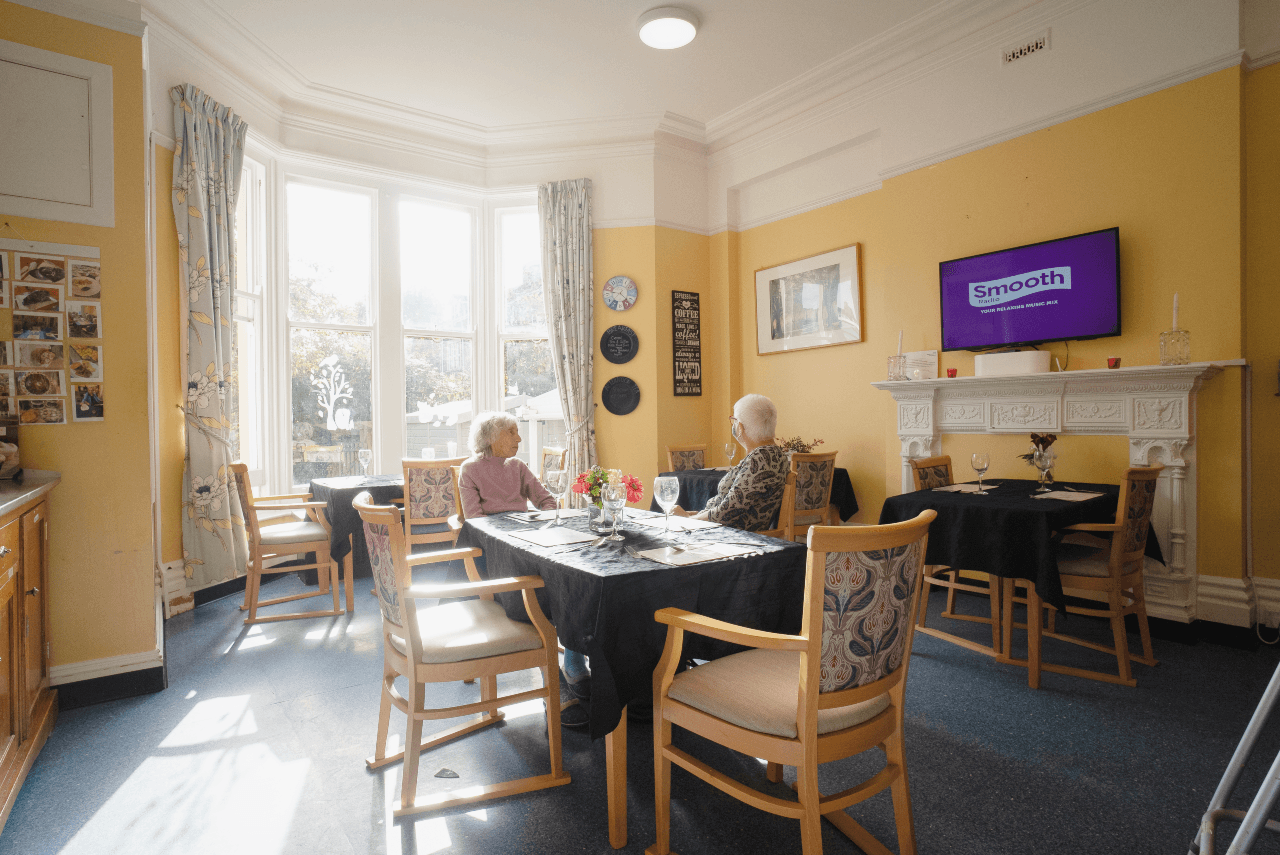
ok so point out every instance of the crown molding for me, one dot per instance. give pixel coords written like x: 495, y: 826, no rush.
x: 84, y: 14
x: 1227, y: 60
x: 1253, y: 63
x: 802, y: 208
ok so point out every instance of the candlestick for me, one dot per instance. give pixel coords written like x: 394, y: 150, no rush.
x: 900, y: 341
x: 1175, y: 310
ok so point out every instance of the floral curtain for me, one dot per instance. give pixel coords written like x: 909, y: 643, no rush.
x: 564, y: 208
x: 206, y: 180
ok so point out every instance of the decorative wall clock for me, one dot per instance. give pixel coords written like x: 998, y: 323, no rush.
x: 620, y: 293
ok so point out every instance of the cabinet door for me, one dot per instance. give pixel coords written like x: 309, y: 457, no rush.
x: 11, y: 669
x: 34, y: 526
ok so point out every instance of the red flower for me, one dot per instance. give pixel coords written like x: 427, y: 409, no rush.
x: 634, y: 491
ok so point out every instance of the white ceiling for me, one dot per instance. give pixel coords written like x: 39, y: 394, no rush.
x: 503, y: 63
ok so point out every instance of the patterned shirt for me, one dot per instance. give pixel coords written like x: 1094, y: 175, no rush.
x: 750, y: 494
x: 494, y: 485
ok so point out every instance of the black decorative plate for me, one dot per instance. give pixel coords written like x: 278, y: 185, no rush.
x: 619, y: 344
x: 621, y: 395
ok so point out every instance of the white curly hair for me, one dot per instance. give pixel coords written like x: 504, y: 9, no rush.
x: 757, y: 415
x: 485, y: 428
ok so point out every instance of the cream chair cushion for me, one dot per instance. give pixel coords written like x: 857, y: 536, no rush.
x: 1084, y: 559
x: 471, y: 629
x: 759, y: 690
x: 295, y: 532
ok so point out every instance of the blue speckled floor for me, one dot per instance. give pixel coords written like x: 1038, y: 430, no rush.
x: 257, y: 746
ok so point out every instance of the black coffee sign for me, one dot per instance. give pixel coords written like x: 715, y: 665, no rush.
x: 686, y: 342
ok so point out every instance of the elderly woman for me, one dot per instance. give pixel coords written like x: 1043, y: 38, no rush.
x: 494, y: 481
x: 750, y: 494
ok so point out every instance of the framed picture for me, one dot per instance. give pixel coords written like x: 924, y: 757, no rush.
x: 84, y: 319
x: 86, y: 402
x: 814, y: 302
x: 40, y: 327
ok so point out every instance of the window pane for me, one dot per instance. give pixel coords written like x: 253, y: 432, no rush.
x: 435, y: 267
x: 532, y: 396
x: 520, y: 273
x: 332, y: 419
x: 246, y: 373
x: 330, y: 255
x: 437, y: 374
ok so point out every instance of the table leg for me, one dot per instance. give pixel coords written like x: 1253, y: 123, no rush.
x: 994, y: 583
x: 1007, y: 623
x: 1034, y: 613
x: 615, y: 762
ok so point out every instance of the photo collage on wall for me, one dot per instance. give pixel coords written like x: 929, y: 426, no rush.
x: 51, y: 370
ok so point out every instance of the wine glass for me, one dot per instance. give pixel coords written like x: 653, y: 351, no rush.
x: 980, y: 463
x: 557, y: 482
x: 1044, y: 460
x: 666, y: 490
x: 731, y: 451
x: 615, y: 499
x: 366, y: 457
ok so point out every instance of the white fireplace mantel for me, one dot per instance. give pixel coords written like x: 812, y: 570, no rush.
x: 1154, y: 406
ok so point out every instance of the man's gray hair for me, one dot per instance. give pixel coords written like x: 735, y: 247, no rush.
x: 757, y: 415
x: 485, y: 428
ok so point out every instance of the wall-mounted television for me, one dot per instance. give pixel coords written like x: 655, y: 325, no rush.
x: 1067, y: 288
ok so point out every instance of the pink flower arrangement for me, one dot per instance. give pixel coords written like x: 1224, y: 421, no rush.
x: 591, y: 484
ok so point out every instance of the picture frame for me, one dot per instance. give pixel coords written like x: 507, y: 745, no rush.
x: 811, y: 302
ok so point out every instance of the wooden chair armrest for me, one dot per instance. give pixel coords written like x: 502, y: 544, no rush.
x: 730, y: 632
x: 257, y: 499
x: 399, y: 502
x: 466, y: 589
x: 444, y: 555
x: 1093, y: 527
x: 455, y: 524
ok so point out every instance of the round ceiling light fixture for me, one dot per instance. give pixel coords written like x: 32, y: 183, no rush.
x: 668, y: 27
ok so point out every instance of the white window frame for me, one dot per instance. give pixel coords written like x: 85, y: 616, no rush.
x: 250, y: 307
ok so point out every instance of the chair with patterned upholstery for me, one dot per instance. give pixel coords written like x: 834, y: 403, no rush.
x: 430, y: 490
x: 1109, y: 567
x: 833, y: 691
x: 684, y: 457
x: 815, y: 473
x: 274, y: 535
x: 470, y: 640
x: 552, y: 458
x: 786, y: 512
x: 928, y: 473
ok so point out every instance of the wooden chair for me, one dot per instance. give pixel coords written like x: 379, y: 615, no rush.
x: 1112, y: 569
x: 927, y: 473
x: 831, y: 692
x: 430, y: 497
x: 552, y: 458
x: 683, y: 457
x: 470, y: 639
x: 786, y: 512
x: 815, y: 473
x: 287, y: 535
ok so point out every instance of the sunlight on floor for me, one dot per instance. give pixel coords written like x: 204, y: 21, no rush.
x: 219, y: 718
x: 524, y: 708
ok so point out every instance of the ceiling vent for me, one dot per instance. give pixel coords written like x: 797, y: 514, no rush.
x: 1033, y: 45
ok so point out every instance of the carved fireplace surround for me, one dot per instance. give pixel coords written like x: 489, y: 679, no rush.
x: 1155, y: 406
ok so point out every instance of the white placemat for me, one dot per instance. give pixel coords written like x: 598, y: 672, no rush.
x: 1067, y: 495
x: 543, y: 516
x: 963, y: 488
x: 677, y: 523
x: 554, y: 536
x: 696, y: 555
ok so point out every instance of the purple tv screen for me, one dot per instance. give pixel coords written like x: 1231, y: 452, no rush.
x: 1060, y: 289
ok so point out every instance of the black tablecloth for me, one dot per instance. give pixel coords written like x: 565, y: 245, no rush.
x: 697, y: 486
x: 1008, y: 532
x: 345, y: 522
x: 602, y: 601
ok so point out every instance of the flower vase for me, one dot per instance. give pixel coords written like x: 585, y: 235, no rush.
x: 599, y: 519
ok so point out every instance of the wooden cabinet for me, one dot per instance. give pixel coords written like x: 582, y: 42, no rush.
x: 28, y: 706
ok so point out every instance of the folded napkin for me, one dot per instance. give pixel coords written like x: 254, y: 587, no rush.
x: 1067, y: 495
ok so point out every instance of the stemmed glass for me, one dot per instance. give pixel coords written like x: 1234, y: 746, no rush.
x: 980, y: 463
x: 1044, y: 460
x: 557, y: 482
x: 366, y: 457
x: 730, y: 451
x: 666, y: 490
x: 615, y: 499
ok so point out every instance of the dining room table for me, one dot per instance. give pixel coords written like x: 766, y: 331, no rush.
x: 697, y: 486
x: 601, y: 597
x: 344, y: 523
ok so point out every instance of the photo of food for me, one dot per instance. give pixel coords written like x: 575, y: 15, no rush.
x: 86, y: 362
x: 42, y: 327
x: 86, y: 402
x: 39, y: 354
x: 39, y: 383
x: 83, y: 319
x: 37, y: 268
x: 42, y: 411
x: 6, y: 384
x: 37, y: 298
x: 86, y: 279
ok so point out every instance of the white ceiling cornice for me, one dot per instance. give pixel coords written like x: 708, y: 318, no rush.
x: 132, y: 25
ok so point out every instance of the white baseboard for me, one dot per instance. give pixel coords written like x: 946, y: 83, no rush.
x: 112, y: 665
x: 177, y: 597
x: 1267, y: 593
x: 1225, y: 600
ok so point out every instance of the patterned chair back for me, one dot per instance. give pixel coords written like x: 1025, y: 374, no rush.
x: 930, y: 472
x: 1133, y: 515
x: 430, y: 490
x: 814, y: 476
x: 685, y: 457
x: 240, y: 473
x: 552, y: 458
x: 384, y: 536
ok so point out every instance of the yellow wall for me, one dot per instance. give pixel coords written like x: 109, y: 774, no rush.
x: 1164, y: 168
x: 171, y: 427
x: 1262, y: 302
x: 101, y: 578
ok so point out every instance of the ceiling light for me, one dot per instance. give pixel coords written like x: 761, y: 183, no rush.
x: 668, y: 27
